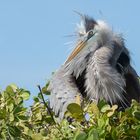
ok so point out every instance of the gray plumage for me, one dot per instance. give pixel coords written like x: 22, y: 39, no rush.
x: 98, y: 68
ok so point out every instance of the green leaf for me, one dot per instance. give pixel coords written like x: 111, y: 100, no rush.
x: 114, y: 134
x: 49, y: 119
x: 114, y: 107
x: 105, y: 108
x: 37, y: 136
x: 36, y: 99
x: 138, y: 132
x: 39, y: 96
x: 101, y: 104
x: 93, y: 134
x: 45, y: 91
x: 11, y: 107
x: 3, y: 136
x: 91, y: 137
x: 103, y: 121
x: 14, y: 131
x: 110, y: 113
x: 47, y: 84
x: 81, y: 136
x: 22, y: 117
x: 11, y: 117
x: 137, y: 115
x: 14, y: 87
x: 2, y: 114
x: 19, y: 110
x: 25, y: 95
x: 19, y: 101
x: 43, y: 132
x: 93, y: 109
x: 75, y: 108
x: 76, y: 111
x: 39, y: 116
x: 11, y: 88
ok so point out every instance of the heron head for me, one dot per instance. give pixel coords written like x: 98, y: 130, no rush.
x: 93, y: 36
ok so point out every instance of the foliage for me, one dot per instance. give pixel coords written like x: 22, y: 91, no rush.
x: 93, y: 122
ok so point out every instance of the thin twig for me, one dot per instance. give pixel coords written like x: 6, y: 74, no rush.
x: 49, y: 110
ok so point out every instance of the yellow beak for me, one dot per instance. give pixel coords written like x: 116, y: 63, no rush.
x: 79, y: 47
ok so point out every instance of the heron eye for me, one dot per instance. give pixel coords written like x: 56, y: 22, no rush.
x: 90, y: 34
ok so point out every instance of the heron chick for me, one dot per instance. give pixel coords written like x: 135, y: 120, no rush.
x: 98, y: 68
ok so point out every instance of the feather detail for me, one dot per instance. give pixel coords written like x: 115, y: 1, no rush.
x: 63, y: 92
x: 102, y: 80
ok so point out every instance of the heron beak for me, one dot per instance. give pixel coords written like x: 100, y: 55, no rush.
x: 79, y: 47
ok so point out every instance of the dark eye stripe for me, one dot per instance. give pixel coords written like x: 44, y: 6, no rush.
x: 90, y: 34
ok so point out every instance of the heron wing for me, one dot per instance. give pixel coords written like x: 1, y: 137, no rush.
x: 102, y: 80
x: 132, y: 85
x: 63, y: 92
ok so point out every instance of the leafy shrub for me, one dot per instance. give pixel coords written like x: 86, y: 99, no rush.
x: 93, y: 122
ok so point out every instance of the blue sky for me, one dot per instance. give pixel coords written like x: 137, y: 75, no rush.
x: 32, y: 35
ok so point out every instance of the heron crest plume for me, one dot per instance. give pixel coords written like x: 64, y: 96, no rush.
x: 98, y: 68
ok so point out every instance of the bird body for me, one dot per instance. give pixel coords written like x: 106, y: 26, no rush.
x: 98, y: 68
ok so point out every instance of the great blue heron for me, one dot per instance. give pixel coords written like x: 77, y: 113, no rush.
x: 98, y: 68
